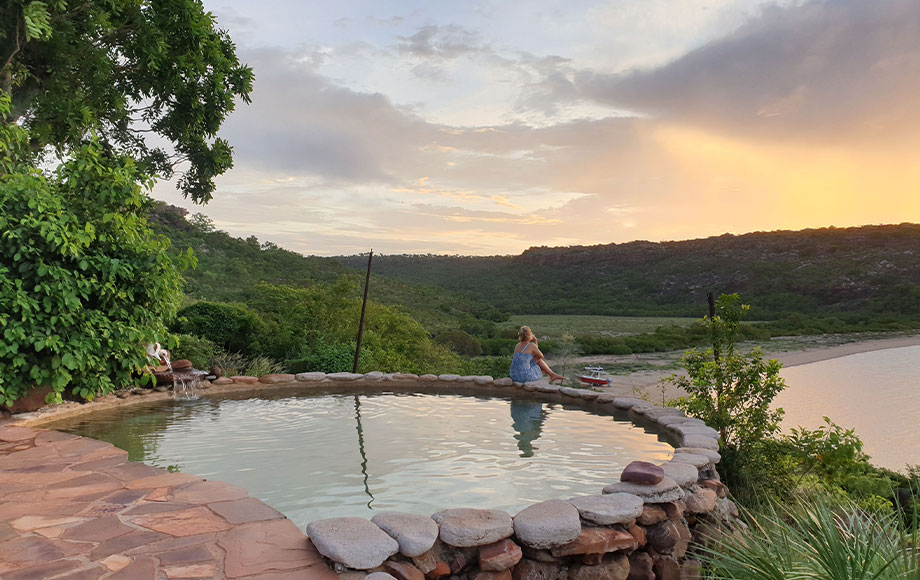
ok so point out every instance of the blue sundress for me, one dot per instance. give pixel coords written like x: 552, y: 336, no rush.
x: 524, y: 368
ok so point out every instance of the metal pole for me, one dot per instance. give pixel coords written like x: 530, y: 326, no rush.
x: 367, y: 283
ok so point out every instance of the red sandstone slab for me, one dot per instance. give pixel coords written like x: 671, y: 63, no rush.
x: 16, y: 434
x: 130, y: 470
x: 165, y: 479
x: 93, y: 573
x: 49, y: 437
x: 85, y: 486
x: 98, y: 530
x: 202, y: 570
x: 141, y: 568
x: 27, y: 550
x: 264, y: 547
x: 208, y: 492
x: 187, y: 555
x: 188, y: 522
x: 80, y: 446
x: 245, y: 510
x: 169, y: 543
x: 315, y: 572
x: 95, y: 464
x: 125, y: 543
x: 44, y: 570
x: 10, y: 511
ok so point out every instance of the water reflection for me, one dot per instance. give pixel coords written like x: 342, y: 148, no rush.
x: 312, y: 457
x: 527, y: 420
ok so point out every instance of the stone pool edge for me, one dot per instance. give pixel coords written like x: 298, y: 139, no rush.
x: 601, y: 548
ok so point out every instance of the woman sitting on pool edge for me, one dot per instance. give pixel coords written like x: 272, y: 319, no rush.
x: 527, y: 361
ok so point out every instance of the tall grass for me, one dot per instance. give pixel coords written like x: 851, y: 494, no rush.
x: 816, y: 540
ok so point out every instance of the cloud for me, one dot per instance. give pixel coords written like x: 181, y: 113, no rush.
x: 441, y: 42
x: 816, y: 69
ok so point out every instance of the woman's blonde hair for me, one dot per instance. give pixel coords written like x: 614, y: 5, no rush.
x: 525, y: 334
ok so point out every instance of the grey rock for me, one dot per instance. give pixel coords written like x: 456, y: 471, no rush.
x: 483, y: 380
x: 415, y: 534
x: 629, y: 402
x: 713, y: 456
x: 683, y: 473
x: 404, y: 377
x: 310, y: 377
x: 466, y: 379
x: 448, y: 378
x: 378, y: 576
x: 606, y: 398
x: 569, y: 391
x: 665, y: 491
x: 503, y: 382
x: 614, y: 508
x: 696, y: 460
x: 547, y: 524
x: 588, y: 395
x: 702, y: 441
x: 467, y: 527
x: 693, y: 429
x: 545, y: 388
x: 655, y: 413
x: 352, y: 542
x: 373, y: 376
x: 429, y: 378
x: 344, y: 376
x: 530, y: 386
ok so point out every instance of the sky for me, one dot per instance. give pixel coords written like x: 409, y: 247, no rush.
x: 484, y: 127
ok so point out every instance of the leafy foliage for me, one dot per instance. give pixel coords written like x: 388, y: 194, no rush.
x: 819, y: 538
x: 200, y: 351
x: 117, y: 69
x: 231, y: 327
x: 84, y: 283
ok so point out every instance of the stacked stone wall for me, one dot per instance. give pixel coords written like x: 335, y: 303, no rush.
x: 643, y: 527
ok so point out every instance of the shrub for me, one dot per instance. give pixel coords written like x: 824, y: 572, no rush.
x: 230, y: 326
x: 230, y: 363
x: 459, y: 342
x: 326, y: 358
x: 84, y: 282
x: 493, y: 366
x: 200, y: 351
x: 262, y: 365
x: 821, y: 538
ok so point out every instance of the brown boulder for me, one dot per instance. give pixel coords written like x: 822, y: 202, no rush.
x: 182, y: 365
x: 503, y: 575
x: 34, y: 401
x: 439, y: 571
x: 532, y: 570
x: 613, y: 567
x: 275, y: 379
x: 403, y: 570
x: 596, y: 541
x: 641, y: 567
x: 217, y: 371
x: 642, y: 472
x: 651, y: 515
x: 499, y: 556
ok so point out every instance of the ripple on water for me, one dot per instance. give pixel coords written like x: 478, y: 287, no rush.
x: 337, y: 455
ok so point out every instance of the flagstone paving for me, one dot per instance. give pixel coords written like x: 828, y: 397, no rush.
x: 75, y: 508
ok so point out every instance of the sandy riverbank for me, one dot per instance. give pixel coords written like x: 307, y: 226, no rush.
x: 790, y: 352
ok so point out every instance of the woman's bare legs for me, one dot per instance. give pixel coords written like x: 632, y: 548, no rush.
x: 545, y: 368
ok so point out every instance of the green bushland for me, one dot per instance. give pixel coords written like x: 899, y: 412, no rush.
x: 732, y: 392
x: 830, y: 279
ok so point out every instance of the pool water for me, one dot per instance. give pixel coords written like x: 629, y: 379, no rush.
x: 313, y: 457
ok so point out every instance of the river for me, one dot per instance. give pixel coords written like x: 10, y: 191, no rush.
x: 877, y: 393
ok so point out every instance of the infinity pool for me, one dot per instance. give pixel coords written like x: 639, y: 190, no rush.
x: 313, y: 457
